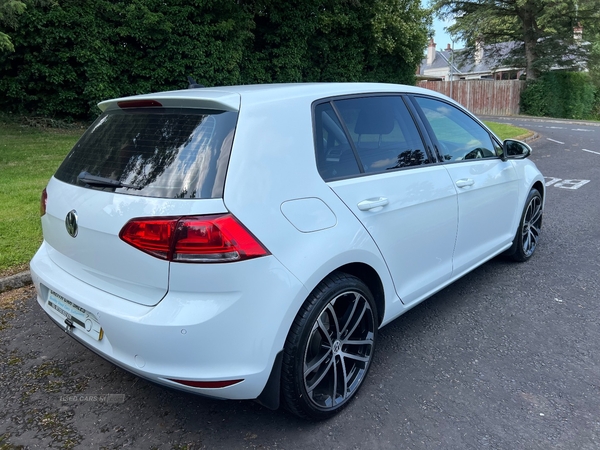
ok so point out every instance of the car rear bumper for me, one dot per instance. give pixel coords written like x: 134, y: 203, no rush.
x: 217, y: 322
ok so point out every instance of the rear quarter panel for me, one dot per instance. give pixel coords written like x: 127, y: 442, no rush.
x: 273, y: 162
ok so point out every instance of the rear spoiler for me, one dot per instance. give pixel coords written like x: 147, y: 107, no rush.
x: 208, y: 98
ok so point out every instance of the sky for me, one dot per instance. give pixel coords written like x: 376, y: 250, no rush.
x: 441, y: 37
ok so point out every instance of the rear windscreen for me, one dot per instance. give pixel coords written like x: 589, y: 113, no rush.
x: 155, y: 152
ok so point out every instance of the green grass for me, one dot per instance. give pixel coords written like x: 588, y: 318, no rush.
x: 28, y: 158
x: 504, y: 131
x: 447, y: 130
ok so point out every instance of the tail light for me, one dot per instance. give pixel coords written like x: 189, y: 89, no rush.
x: 43, y: 201
x: 197, y: 239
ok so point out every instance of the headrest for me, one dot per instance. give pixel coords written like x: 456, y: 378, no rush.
x: 375, y: 119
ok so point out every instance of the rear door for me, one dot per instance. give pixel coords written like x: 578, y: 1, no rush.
x: 487, y: 187
x: 373, y: 157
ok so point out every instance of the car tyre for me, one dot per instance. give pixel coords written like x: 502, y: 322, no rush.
x: 329, y: 348
x: 528, y: 233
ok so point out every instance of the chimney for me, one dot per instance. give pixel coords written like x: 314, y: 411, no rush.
x: 430, y: 52
x: 578, y: 32
x: 448, y: 48
x: 479, y: 50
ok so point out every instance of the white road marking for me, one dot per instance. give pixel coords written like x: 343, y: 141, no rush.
x: 565, y: 184
x: 590, y: 151
x: 571, y: 184
x: 557, y: 128
x: 554, y: 140
x: 579, y: 129
x: 551, y: 180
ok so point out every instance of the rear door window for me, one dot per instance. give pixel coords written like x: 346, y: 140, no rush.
x: 378, y: 130
x: 155, y: 152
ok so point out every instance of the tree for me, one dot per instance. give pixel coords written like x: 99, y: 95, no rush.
x: 542, y: 31
x: 333, y: 40
x: 9, y: 10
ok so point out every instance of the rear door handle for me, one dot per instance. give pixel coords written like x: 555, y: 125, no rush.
x: 372, y: 203
x: 464, y: 182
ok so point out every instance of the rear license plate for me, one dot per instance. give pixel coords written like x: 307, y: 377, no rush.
x: 76, y: 316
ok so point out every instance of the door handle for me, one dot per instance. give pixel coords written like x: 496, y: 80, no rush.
x: 464, y: 182
x: 372, y: 203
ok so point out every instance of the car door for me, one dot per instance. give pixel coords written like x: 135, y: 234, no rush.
x: 372, y: 155
x: 487, y: 186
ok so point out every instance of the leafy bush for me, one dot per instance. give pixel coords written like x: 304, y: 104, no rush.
x: 569, y: 95
x: 71, y: 54
x: 533, y: 98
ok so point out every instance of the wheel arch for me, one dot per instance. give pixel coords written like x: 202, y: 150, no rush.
x: 540, y: 188
x: 371, y: 278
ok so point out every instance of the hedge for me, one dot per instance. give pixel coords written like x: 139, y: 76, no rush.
x: 71, y: 54
x: 569, y: 95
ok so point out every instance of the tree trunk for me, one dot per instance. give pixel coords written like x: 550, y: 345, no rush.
x: 527, y: 15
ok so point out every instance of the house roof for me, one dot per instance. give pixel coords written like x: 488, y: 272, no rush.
x: 489, y: 63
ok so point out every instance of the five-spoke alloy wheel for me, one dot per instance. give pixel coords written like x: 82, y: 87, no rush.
x: 330, y: 347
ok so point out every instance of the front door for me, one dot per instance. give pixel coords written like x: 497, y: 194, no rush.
x: 487, y: 187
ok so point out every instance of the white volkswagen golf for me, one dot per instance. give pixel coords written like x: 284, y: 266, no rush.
x: 247, y: 242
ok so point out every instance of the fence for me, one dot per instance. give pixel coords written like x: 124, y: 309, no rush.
x: 482, y: 97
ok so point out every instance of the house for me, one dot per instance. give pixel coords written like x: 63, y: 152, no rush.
x: 445, y: 65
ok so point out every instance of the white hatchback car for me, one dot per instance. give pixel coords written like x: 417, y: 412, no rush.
x: 247, y: 242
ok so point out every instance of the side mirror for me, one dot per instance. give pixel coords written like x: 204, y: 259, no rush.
x: 515, y: 149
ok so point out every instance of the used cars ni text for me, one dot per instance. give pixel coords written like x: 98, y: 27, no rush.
x: 247, y: 242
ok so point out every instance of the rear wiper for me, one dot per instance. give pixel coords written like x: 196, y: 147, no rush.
x: 93, y: 180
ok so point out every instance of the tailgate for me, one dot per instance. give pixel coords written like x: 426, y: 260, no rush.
x: 96, y: 255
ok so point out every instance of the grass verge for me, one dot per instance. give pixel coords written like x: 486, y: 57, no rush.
x: 504, y: 131
x: 28, y: 158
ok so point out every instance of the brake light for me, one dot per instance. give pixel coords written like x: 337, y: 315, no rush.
x: 197, y: 239
x: 43, y: 201
x: 138, y: 104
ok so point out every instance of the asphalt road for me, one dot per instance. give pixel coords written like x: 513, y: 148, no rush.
x: 505, y: 358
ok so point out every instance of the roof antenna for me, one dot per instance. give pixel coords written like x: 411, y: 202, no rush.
x: 192, y: 83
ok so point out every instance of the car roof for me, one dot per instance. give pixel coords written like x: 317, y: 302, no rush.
x: 230, y: 97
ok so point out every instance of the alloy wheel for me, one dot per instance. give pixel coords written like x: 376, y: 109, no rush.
x: 531, y: 225
x: 339, y: 350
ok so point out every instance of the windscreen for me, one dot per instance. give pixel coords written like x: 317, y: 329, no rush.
x: 154, y: 152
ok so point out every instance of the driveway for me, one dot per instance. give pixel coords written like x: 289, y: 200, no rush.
x: 505, y: 358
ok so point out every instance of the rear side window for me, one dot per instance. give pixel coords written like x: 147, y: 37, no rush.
x: 335, y: 156
x: 156, y: 152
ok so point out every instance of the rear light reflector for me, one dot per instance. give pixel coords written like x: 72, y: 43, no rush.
x: 43, y: 201
x: 207, y: 384
x: 197, y: 239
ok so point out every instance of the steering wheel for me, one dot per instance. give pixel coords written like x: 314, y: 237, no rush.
x: 473, y: 154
